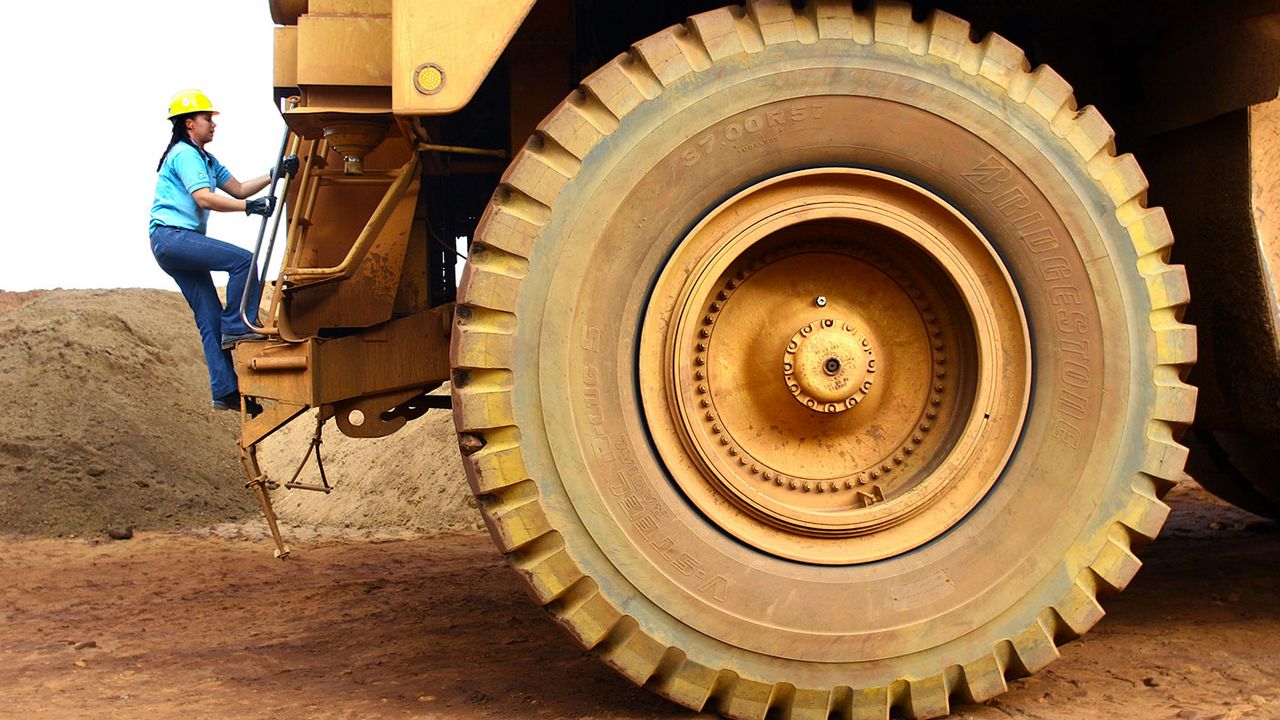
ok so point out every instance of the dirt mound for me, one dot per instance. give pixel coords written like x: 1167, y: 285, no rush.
x: 110, y: 422
x: 411, y: 480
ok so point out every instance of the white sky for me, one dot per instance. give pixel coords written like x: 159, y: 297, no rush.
x: 87, y: 87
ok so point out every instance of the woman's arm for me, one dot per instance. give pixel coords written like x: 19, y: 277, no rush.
x: 209, y: 200
x: 242, y: 190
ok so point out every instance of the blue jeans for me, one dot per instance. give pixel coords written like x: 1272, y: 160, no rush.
x: 188, y: 257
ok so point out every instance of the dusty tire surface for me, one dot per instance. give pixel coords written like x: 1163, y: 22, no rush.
x: 858, y: 579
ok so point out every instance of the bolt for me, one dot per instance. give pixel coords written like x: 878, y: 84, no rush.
x: 832, y: 365
x: 821, y: 301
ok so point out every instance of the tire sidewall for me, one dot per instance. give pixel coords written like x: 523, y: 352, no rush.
x: 603, y: 486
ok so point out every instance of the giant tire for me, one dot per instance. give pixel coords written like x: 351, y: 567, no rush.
x: 974, y: 205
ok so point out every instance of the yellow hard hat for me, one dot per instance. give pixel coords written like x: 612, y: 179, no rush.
x: 190, y: 101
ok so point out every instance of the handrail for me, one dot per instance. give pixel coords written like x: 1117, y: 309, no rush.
x: 370, y: 232
x: 304, y: 205
x: 275, y: 218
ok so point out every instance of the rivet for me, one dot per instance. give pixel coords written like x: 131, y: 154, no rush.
x: 743, y: 460
x: 707, y: 320
x: 849, y: 483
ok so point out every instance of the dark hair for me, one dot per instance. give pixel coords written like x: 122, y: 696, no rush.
x: 180, y: 135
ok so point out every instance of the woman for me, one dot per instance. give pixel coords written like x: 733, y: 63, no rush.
x: 185, y: 193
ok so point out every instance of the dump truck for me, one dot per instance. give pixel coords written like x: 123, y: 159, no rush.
x: 819, y: 359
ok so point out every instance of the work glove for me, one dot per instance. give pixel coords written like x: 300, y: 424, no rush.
x: 288, y: 166
x: 263, y: 206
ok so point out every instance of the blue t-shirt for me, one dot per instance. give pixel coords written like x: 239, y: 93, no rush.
x: 182, y: 173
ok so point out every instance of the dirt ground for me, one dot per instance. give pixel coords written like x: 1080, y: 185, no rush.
x: 206, y: 624
x: 394, y: 604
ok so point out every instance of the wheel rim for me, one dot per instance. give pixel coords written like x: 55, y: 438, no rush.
x: 844, y: 362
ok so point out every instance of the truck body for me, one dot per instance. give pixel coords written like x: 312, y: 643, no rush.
x: 809, y: 359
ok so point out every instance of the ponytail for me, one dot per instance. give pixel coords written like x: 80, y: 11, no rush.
x: 180, y: 135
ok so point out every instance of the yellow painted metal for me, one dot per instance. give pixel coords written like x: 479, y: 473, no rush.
x: 348, y: 259
x: 461, y: 39
x: 391, y: 201
x: 404, y: 354
x: 431, y: 55
x: 462, y: 150
x: 904, y: 382
x: 285, y: 73
x: 349, y: 7
x: 347, y: 50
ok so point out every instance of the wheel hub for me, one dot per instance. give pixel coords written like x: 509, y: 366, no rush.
x: 831, y: 364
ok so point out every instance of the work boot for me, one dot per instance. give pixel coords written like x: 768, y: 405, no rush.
x: 231, y: 401
x: 229, y: 341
